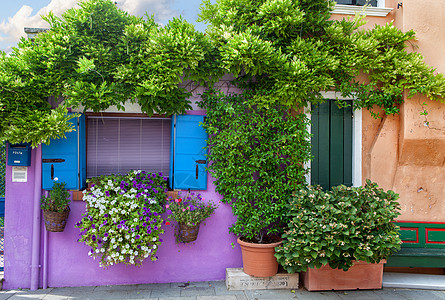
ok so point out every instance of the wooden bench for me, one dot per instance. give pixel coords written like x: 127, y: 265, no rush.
x: 423, y: 245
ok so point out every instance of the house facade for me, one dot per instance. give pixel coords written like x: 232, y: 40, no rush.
x: 405, y: 153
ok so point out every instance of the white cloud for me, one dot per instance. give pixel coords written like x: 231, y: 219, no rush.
x: 12, y: 29
x: 161, y: 9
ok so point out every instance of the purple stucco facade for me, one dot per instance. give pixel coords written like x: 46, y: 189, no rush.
x: 68, y: 263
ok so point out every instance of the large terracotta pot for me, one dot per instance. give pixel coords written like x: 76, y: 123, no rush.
x: 361, y: 275
x: 259, y: 259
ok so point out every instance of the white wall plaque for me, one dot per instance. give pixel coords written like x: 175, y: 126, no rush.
x: 19, y: 174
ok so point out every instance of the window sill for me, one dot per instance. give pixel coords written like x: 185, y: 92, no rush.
x: 352, y: 10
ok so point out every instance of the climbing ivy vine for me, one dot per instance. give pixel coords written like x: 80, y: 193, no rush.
x: 258, y: 157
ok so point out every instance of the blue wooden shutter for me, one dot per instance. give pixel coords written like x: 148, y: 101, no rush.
x: 331, y: 145
x: 188, y: 154
x: 65, y: 159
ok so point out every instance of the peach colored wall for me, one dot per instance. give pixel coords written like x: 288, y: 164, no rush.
x: 406, y: 153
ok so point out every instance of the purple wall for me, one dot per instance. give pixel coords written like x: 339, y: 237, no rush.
x: 18, y: 228
x: 70, y: 265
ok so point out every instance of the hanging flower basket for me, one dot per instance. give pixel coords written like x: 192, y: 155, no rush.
x: 55, y: 221
x: 187, y: 234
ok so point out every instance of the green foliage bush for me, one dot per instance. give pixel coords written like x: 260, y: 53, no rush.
x: 339, y: 227
x: 257, y: 157
x: 57, y: 200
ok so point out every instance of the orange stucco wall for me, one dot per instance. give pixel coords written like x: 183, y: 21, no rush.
x: 406, y: 152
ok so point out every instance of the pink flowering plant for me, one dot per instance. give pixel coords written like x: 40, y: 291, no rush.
x: 123, y: 222
x: 190, y: 210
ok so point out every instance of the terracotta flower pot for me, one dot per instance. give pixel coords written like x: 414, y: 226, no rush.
x: 361, y: 275
x: 259, y: 259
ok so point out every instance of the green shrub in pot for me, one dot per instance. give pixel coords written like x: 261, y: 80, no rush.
x: 339, y: 227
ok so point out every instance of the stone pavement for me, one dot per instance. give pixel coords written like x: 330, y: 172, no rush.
x: 210, y: 290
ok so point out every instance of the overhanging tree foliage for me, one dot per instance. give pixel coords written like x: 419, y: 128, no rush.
x: 97, y: 56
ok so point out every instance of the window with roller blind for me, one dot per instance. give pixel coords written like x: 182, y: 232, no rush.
x: 120, y: 144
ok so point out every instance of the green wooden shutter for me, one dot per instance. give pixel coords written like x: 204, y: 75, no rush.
x: 331, y: 145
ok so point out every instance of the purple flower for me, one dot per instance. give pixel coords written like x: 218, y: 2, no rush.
x: 138, y: 246
x: 106, y: 215
x: 105, y: 234
x: 137, y: 237
x: 93, y: 237
x: 107, y: 193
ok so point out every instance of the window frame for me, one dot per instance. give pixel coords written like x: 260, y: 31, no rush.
x: 380, y: 11
x: 114, y: 115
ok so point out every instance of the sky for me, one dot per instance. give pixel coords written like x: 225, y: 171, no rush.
x: 15, y: 15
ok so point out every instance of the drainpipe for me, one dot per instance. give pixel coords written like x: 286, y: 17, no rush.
x: 45, y: 260
x: 35, y: 254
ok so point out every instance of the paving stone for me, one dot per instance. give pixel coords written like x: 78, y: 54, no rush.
x: 225, y: 297
x: 198, y: 291
x: 7, y: 294
x: 56, y: 297
x: 75, y: 292
x: 221, y: 289
x: 27, y: 296
x: 269, y: 294
x: 129, y: 287
x: 241, y: 297
x: 177, y: 298
x: 421, y: 294
x: 165, y: 293
x: 363, y: 295
x: 139, y: 294
x: 156, y: 286
x: 192, y: 284
x: 389, y: 294
x: 306, y: 295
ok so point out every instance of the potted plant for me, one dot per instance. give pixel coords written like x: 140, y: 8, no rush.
x: 55, y: 207
x: 189, y: 213
x: 122, y: 222
x: 346, y: 229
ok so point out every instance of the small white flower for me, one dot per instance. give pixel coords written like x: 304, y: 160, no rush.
x: 154, y: 239
x: 56, y: 178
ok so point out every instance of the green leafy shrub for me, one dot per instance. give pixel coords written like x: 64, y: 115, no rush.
x: 58, y: 198
x: 258, y: 157
x: 339, y: 227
